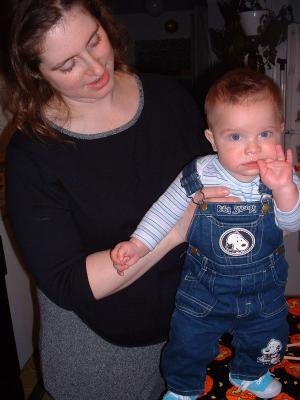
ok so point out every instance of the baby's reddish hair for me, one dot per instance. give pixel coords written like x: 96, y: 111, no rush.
x: 240, y: 86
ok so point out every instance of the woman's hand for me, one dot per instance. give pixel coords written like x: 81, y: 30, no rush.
x: 219, y: 195
x: 211, y: 195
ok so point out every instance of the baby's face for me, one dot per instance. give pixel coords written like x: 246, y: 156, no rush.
x: 243, y: 134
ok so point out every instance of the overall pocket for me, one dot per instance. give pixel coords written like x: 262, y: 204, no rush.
x: 272, y: 296
x: 195, y: 292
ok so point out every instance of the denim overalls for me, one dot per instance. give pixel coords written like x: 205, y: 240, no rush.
x: 233, y: 280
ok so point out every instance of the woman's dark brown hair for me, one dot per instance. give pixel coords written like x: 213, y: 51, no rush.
x: 27, y: 91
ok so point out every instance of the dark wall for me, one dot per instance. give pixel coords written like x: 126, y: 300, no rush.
x: 139, y: 6
x: 6, y: 7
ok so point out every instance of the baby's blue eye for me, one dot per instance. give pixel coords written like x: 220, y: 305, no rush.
x: 265, y: 134
x: 235, y: 137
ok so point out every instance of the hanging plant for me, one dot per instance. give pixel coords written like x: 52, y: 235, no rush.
x: 233, y: 48
x: 250, y: 5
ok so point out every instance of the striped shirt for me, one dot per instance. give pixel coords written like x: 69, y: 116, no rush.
x: 169, y: 208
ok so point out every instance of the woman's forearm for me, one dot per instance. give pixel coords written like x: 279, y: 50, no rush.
x: 104, y: 279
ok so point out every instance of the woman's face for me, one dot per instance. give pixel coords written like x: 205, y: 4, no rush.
x: 77, y: 58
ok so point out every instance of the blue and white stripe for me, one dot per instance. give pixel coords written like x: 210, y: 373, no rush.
x: 169, y: 208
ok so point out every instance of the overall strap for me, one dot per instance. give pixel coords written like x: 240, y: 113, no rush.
x: 263, y: 189
x: 190, y: 180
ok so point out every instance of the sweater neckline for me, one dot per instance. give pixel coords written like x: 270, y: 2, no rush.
x: 122, y: 128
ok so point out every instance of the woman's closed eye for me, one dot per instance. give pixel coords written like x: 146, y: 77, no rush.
x: 68, y: 66
x: 95, y: 40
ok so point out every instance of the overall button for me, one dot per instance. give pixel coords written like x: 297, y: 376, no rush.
x: 203, y: 206
x: 265, y: 208
x: 194, y: 250
x: 280, y: 250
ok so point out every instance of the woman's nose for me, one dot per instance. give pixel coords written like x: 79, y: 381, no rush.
x: 94, y: 66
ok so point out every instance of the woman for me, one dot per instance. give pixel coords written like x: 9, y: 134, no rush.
x: 94, y: 146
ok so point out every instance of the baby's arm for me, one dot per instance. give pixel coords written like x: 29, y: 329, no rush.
x: 278, y: 176
x: 163, y: 215
x: 125, y: 254
x: 155, y: 225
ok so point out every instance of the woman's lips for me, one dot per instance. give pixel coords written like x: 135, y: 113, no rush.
x: 100, y: 82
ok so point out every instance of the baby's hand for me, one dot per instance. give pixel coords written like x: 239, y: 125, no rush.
x: 125, y: 254
x: 278, y: 176
x: 278, y: 173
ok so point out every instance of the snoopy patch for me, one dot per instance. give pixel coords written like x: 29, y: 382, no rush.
x: 237, y: 241
x: 271, y: 353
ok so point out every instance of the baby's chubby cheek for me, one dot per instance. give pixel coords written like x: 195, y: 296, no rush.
x: 271, y: 151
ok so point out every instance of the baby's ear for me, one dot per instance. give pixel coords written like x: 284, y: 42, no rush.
x: 210, y: 137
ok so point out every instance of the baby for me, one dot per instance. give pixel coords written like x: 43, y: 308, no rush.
x: 234, y: 275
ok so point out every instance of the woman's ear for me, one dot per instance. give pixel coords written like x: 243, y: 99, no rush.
x: 210, y: 137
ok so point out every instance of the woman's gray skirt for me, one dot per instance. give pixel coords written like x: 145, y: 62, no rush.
x: 77, y: 364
